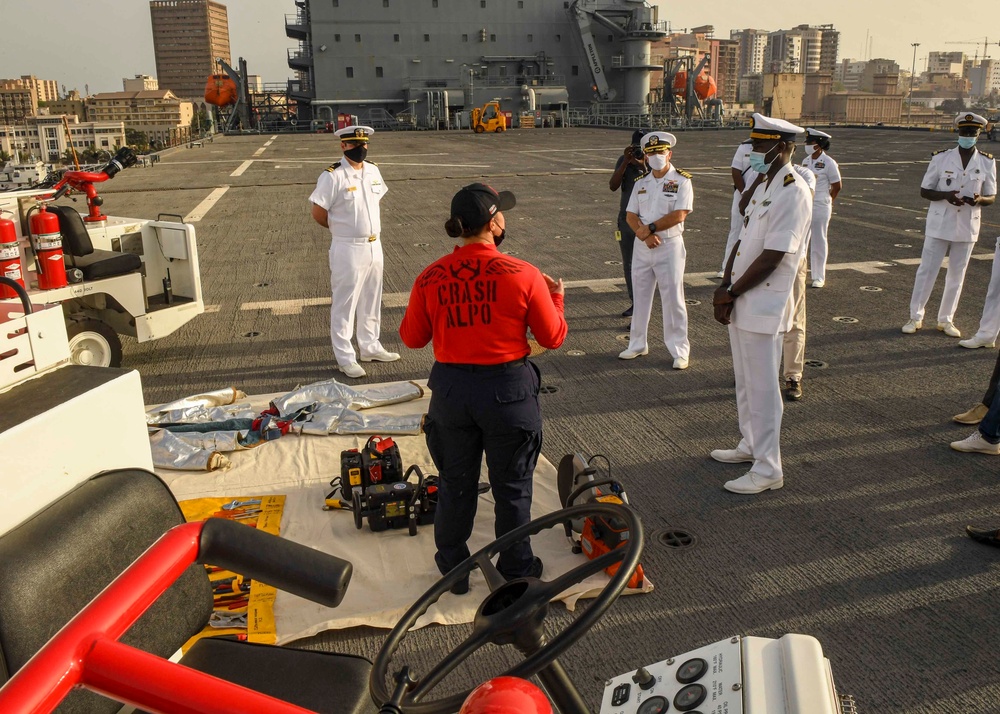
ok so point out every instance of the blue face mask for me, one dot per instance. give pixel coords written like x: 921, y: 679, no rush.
x: 967, y: 142
x: 759, y: 162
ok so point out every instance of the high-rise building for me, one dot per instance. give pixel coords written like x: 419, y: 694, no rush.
x: 188, y: 37
x: 751, y: 50
x: 783, y: 54
x: 985, y: 78
x: 946, y: 63
x: 47, y: 90
x: 803, y: 49
x: 16, y: 102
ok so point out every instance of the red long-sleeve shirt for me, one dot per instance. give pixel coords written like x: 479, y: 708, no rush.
x: 477, y: 305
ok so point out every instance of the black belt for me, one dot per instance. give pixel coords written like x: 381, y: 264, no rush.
x: 488, y: 367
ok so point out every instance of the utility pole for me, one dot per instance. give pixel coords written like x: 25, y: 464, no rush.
x: 913, y: 70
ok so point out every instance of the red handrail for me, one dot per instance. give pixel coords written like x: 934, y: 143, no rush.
x: 86, y: 653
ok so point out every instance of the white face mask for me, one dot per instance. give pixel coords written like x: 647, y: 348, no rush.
x: 657, y: 162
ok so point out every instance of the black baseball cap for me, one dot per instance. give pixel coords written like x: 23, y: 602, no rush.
x: 477, y: 203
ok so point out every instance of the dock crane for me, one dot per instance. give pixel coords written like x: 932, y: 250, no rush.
x: 985, y: 43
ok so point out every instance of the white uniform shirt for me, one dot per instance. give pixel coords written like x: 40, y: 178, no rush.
x: 351, y: 199
x: 777, y: 218
x: 826, y: 171
x: 946, y: 173
x: 653, y: 198
x: 741, y: 162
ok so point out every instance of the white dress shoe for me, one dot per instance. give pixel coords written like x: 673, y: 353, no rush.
x: 680, y: 363
x: 818, y: 283
x: 753, y: 483
x: 721, y: 274
x: 949, y: 329
x: 383, y: 355
x: 912, y: 326
x: 353, y: 370
x: 731, y: 456
x: 632, y: 354
x: 976, y: 341
x: 976, y: 443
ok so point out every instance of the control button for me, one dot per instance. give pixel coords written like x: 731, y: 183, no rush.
x: 643, y: 678
x: 691, y: 696
x: 620, y: 694
x: 653, y: 705
x: 692, y: 670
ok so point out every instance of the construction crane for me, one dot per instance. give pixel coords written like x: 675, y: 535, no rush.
x: 985, y: 43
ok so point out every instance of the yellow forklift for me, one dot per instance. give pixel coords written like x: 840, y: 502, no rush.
x: 488, y: 118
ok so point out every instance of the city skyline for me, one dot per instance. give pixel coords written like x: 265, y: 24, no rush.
x: 257, y: 34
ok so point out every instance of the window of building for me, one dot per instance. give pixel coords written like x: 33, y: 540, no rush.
x: 531, y: 38
x: 427, y: 38
x: 503, y: 70
x: 357, y: 38
x: 53, y: 145
x: 378, y: 72
x: 336, y: 38
x: 493, y: 38
x: 336, y: 3
x: 350, y: 72
x: 520, y: 4
x: 575, y: 71
x: 465, y: 38
x: 482, y: 3
x: 385, y: 3
x: 434, y: 3
x: 558, y: 38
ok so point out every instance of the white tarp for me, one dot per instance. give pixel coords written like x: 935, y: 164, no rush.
x: 391, y: 569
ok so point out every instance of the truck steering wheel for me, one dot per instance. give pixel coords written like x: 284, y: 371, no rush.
x: 514, y: 613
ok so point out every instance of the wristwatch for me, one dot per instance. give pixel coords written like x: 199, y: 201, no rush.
x: 729, y: 289
x: 651, y: 227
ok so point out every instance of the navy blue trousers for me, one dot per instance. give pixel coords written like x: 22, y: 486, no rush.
x: 492, y: 410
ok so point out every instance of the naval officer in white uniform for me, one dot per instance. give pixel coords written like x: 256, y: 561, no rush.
x: 346, y: 201
x: 989, y: 324
x: 958, y: 182
x: 660, y: 202
x: 755, y: 300
x: 828, y: 185
x: 743, y: 178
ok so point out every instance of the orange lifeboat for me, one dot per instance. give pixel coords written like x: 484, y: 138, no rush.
x: 680, y: 82
x: 220, y: 90
x: 704, y: 86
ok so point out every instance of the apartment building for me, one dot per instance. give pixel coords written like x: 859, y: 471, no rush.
x: 188, y: 37
x: 16, y: 103
x: 160, y: 114
x: 44, y: 137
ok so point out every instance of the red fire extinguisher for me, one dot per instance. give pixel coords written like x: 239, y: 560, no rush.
x: 10, y: 258
x: 48, y: 250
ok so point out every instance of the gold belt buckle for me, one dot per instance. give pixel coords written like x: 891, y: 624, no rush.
x: 372, y: 239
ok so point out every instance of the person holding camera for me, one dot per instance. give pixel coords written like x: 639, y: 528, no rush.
x: 958, y: 182
x: 630, y: 168
x: 476, y: 306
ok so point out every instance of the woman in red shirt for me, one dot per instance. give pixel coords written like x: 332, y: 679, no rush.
x: 476, y: 305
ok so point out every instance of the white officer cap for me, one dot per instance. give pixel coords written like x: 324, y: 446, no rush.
x: 656, y: 141
x: 970, y: 119
x: 762, y: 127
x: 816, y: 134
x: 355, y: 133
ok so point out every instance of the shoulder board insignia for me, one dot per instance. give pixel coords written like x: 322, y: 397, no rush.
x: 684, y: 173
x: 333, y: 166
x: 988, y: 156
x: 939, y: 151
x: 370, y: 162
x: 790, y: 178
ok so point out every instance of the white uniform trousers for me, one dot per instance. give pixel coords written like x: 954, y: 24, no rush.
x: 758, y: 398
x: 819, y: 249
x: 356, y: 291
x: 663, y: 267
x: 735, y: 226
x: 793, y: 344
x: 989, y: 325
x: 930, y: 263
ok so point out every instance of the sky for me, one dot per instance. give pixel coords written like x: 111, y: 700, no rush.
x: 98, y: 42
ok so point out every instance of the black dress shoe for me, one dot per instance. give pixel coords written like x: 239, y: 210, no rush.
x: 989, y: 537
x: 461, y: 587
x: 534, y: 570
x: 628, y: 313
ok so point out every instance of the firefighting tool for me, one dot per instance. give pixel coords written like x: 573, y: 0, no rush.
x: 378, y: 462
x: 83, y: 181
x: 47, y: 241
x: 401, y: 504
x: 594, y: 535
x: 10, y: 257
